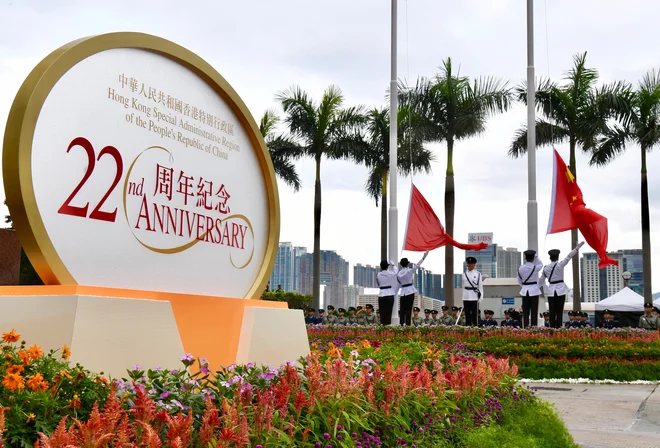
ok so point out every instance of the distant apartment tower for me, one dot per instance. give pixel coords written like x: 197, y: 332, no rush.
x: 632, y: 262
x: 298, y: 252
x: 486, y: 258
x: 350, y: 295
x: 508, y: 262
x: 428, y: 284
x: 365, y: 276
x: 599, y: 284
x: 334, y: 275
x: 284, y: 268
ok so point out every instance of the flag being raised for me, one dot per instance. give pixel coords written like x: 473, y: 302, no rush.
x: 568, y: 211
x: 424, y: 231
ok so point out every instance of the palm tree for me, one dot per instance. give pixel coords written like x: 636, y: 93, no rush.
x: 412, y: 157
x: 281, y: 149
x: 639, y: 124
x: 318, y: 130
x: 449, y: 108
x: 577, y: 112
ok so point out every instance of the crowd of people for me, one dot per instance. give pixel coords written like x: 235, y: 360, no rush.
x: 532, y: 277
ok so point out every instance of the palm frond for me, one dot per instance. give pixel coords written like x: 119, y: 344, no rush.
x: 301, y: 114
x: 374, y: 184
x: 546, y: 134
x: 609, y: 146
x: 268, y: 123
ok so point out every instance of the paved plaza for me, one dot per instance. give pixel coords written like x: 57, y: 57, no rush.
x: 607, y: 416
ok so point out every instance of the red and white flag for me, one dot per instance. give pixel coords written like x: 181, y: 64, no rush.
x: 568, y: 211
x: 424, y: 231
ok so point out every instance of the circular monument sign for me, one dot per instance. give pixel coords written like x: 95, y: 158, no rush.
x: 129, y: 162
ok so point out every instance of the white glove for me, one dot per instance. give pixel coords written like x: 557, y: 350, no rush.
x: 580, y: 245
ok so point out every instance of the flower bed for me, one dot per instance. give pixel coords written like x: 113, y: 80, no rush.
x: 620, y: 354
x: 338, y: 398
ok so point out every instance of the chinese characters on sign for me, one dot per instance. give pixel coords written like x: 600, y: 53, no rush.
x: 185, y: 185
x: 159, y: 97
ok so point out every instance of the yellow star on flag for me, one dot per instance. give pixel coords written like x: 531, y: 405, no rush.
x: 569, y: 175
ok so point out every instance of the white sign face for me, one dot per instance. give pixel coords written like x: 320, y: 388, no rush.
x: 145, y: 179
x: 475, y: 238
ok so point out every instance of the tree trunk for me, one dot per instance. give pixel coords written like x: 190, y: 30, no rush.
x: 383, y: 219
x: 577, y: 301
x: 449, y: 217
x: 316, y: 264
x: 646, y: 232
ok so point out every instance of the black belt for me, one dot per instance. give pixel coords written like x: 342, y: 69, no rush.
x: 407, y: 284
x: 384, y: 287
x: 556, y: 282
x: 471, y: 289
x: 529, y: 284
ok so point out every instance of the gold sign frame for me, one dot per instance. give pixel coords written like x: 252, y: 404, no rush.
x: 21, y: 124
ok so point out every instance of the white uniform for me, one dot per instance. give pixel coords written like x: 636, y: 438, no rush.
x: 528, y: 278
x: 405, y: 277
x: 387, y: 281
x: 554, y: 272
x: 473, y: 276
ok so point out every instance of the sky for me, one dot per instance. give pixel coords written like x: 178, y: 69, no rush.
x: 263, y: 47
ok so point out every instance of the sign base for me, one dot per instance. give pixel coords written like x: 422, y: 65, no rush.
x: 107, y: 332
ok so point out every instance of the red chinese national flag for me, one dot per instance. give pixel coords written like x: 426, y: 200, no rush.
x: 424, y: 230
x: 568, y: 211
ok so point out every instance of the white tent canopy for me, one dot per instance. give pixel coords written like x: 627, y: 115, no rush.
x: 624, y: 300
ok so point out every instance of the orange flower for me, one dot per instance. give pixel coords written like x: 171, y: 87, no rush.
x: 13, y: 381
x: 75, y: 401
x: 102, y: 380
x: 35, y: 352
x: 66, y: 352
x: 36, y: 383
x: 12, y: 336
x: 15, y: 369
x: 65, y: 374
x: 30, y: 418
x: 25, y: 357
x: 366, y: 344
x: 9, y: 356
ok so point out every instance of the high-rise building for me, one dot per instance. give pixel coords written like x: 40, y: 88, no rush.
x: 298, y: 252
x: 632, y: 262
x: 350, y: 295
x: 334, y: 275
x: 599, y: 284
x: 508, y: 262
x: 365, y: 276
x: 428, y: 284
x: 284, y: 268
x: 486, y: 258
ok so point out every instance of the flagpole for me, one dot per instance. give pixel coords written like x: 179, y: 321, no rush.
x: 393, y: 212
x: 532, y: 205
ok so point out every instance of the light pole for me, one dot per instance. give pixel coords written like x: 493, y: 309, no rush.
x: 393, y: 212
x: 626, y: 276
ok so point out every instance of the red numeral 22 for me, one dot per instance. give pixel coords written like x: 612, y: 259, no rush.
x: 67, y: 208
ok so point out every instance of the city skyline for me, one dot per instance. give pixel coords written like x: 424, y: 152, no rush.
x: 341, y: 287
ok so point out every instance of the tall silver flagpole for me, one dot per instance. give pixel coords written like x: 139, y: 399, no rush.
x: 393, y: 212
x: 532, y: 206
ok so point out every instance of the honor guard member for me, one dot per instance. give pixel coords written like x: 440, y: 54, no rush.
x: 454, y: 316
x: 585, y: 320
x: 608, y: 320
x: 369, y: 317
x: 342, y: 319
x: 388, y: 284
x: 528, y: 279
x: 649, y: 321
x: 320, y: 319
x: 473, y: 290
x: 434, y: 318
x: 427, y: 317
x: 417, y: 320
x: 508, y: 321
x: 546, y: 319
x: 488, y: 319
x: 405, y: 279
x: 571, y: 316
x: 557, y: 289
x: 310, y: 318
x: 331, y: 318
x: 352, y: 318
x: 446, y: 319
